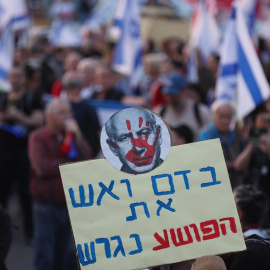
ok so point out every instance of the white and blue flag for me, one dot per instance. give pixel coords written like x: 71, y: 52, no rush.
x: 13, y: 17
x: 102, y: 13
x: 192, y: 67
x: 249, y: 10
x: 204, y: 31
x: 241, y: 78
x: 129, y: 47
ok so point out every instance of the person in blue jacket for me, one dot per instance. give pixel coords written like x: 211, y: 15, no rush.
x: 219, y: 127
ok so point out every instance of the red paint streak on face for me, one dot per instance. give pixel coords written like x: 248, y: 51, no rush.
x: 141, y: 154
x: 113, y: 144
x: 128, y: 125
x: 147, y: 124
x: 140, y: 122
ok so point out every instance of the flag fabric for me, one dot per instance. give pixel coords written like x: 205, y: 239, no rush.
x: 249, y: 10
x: 192, y: 67
x: 14, y: 12
x: 212, y: 6
x: 227, y: 81
x: 241, y: 77
x: 6, y: 56
x: 102, y: 13
x: 64, y: 31
x: 204, y: 31
x: 129, y: 47
x: 13, y: 17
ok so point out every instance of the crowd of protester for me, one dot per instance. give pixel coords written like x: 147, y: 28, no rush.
x: 52, y: 89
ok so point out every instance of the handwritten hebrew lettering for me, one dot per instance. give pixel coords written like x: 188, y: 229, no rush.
x: 138, y: 243
x: 107, y: 246
x: 196, y: 231
x: 82, y: 202
x: 213, y: 174
x: 210, y: 229
x: 166, y: 177
x: 105, y: 190
x: 184, y: 173
x: 120, y: 247
x: 133, y: 210
x: 127, y: 182
x: 165, y: 206
x: 181, y: 241
x: 164, y: 242
x: 232, y: 225
x: 85, y: 258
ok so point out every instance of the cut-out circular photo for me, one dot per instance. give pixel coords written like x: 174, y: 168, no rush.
x: 135, y: 140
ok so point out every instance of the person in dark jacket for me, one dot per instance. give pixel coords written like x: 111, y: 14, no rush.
x: 5, y: 236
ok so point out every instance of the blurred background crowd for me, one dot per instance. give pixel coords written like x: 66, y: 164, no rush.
x: 73, y: 56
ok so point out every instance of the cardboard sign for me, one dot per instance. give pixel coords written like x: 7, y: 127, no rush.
x: 181, y: 210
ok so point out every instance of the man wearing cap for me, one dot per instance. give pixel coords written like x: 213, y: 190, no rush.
x: 179, y: 109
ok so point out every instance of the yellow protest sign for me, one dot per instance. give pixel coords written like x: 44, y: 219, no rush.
x: 182, y: 210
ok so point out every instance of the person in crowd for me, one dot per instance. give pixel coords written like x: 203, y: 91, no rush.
x: 166, y: 66
x: 251, y: 204
x: 70, y: 63
x: 152, y: 72
x: 213, y: 63
x: 53, y: 241
x: 5, y: 236
x: 104, y: 88
x: 208, y: 77
x: 251, y: 207
x: 87, y: 68
x: 84, y: 113
x: 51, y: 64
x: 135, y: 138
x: 232, y: 144
x: 254, y: 161
x: 33, y: 77
x: 182, y: 135
x: 21, y: 111
x: 179, y: 109
x: 173, y: 47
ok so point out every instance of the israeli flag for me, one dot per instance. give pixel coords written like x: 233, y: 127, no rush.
x: 6, y: 56
x: 128, y: 52
x: 204, y: 32
x: 192, y: 67
x: 226, y: 82
x: 249, y: 10
x: 102, y: 13
x: 241, y: 77
x: 14, y: 12
x: 13, y: 17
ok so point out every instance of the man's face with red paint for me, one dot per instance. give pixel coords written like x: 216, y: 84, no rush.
x: 136, y: 142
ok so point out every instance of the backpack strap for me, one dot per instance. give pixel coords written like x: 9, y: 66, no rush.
x: 255, y: 239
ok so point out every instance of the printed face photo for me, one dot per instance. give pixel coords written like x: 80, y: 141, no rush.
x: 132, y: 140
